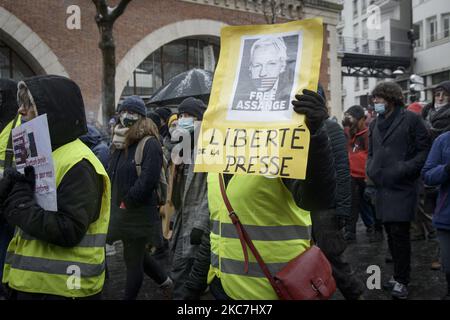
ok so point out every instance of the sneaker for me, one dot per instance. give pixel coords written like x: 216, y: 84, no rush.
x: 400, y: 291
x: 166, y: 288
x: 436, y: 265
x: 390, y: 284
x: 110, y: 250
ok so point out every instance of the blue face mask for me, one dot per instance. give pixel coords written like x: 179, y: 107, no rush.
x: 380, y: 108
x: 186, y: 123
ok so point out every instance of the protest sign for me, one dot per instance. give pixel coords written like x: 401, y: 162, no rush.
x: 250, y: 126
x: 32, y: 147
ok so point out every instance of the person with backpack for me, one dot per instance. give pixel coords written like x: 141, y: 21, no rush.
x: 134, y: 200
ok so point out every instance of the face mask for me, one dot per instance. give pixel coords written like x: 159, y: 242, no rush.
x: 380, y: 108
x: 186, y: 123
x: 128, y: 119
x: 265, y: 84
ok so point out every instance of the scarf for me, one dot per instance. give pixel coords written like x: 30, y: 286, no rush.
x: 440, y: 121
x: 384, y: 123
x: 118, y: 139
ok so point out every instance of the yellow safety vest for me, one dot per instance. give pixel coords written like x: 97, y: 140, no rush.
x: 37, y: 266
x: 4, y: 136
x: 279, y: 229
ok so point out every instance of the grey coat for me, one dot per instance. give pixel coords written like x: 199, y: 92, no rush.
x: 394, y: 164
x: 190, y: 198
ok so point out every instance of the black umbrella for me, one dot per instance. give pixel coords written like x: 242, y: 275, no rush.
x: 193, y: 83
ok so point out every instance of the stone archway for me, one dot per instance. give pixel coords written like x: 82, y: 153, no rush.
x: 29, y: 45
x: 158, y: 38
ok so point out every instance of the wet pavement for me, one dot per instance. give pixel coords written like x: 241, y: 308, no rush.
x: 426, y: 284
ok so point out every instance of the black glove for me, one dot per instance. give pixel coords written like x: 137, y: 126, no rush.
x: 196, y: 236
x: 6, y: 185
x: 341, y: 222
x: 313, y: 106
x: 21, y: 196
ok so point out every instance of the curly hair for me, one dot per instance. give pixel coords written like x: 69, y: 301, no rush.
x: 389, y: 91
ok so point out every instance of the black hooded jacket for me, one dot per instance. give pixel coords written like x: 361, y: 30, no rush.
x: 80, y: 191
x: 8, y: 102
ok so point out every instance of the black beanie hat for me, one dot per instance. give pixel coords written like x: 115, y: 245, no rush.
x: 192, y: 106
x: 356, y: 112
x: 134, y: 104
x: 155, y: 118
x: 164, y: 113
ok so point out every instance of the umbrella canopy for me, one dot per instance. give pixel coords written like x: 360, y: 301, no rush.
x: 193, y: 83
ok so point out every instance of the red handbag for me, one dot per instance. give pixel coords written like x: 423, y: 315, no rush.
x: 306, y: 277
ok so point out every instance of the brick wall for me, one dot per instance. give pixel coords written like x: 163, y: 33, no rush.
x: 77, y: 50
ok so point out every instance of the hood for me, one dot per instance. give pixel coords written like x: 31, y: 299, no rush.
x: 8, y: 101
x: 444, y: 85
x: 60, y: 98
x: 92, y: 138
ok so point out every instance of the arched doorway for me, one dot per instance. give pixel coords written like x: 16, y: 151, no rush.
x: 12, y: 66
x: 28, y: 46
x: 197, y: 29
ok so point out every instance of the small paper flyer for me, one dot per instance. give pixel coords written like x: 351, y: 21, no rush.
x: 32, y: 147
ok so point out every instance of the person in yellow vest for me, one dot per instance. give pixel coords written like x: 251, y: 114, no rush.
x: 274, y: 211
x: 8, y: 111
x: 57, y: 255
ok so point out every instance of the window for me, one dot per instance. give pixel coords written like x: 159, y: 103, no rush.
x: 168, y: 61
x: 12, y: 65
x: 418, y: 32
x: 355, y: 8
x: 432, y: 29
x: 446, y: 25
x: 355, y: 37
x: 365, y: 48
x: 380, y: 46
x: 363, y: 6
x: 439, y: 77
x: 365, y: 83
x: 364, y: 29
x: 357, y: 84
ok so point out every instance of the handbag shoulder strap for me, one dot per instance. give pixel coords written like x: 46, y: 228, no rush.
x: 245, y: 238
x: 138, y: 155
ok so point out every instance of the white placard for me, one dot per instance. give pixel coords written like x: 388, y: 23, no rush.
x: 32, y: 147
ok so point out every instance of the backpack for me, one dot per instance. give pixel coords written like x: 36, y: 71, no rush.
x: 161, y: 189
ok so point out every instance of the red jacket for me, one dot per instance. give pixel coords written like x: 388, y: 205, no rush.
x: 358, y: 148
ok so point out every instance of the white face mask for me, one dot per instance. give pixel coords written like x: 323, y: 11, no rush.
x: 128, y: 119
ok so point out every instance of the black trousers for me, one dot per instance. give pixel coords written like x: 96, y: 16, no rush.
x: 400, y: 247
x: 330, y: 240
x: 138, y: 261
